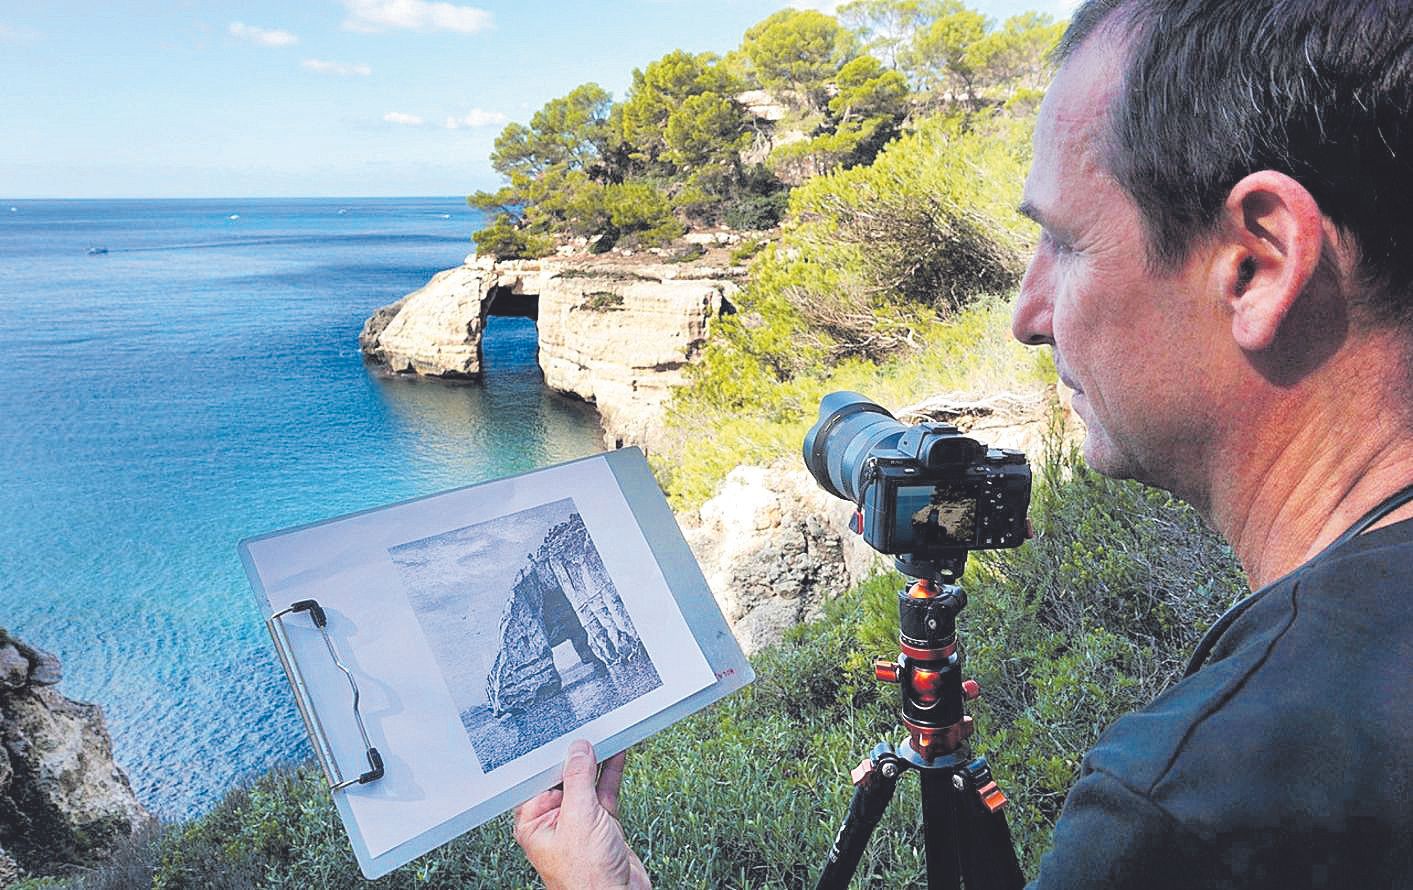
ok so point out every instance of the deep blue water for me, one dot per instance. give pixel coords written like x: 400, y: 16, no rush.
x: 200, y: 383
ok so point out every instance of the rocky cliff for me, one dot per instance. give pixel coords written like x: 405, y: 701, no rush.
x: 562, y: 593
x: 613, y: 332
x: 64, y: 803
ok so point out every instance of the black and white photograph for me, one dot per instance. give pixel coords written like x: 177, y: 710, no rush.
x: 527, y: 627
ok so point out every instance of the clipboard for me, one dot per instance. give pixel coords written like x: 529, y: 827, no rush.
x: 443, y: 651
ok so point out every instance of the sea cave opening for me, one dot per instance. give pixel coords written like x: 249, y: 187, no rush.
x: 510, y: 337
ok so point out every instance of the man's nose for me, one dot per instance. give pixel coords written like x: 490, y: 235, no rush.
x: 1030, y: 321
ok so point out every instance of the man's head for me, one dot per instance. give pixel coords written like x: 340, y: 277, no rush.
x: 1226, y: 194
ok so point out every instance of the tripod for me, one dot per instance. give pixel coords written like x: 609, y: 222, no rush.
x: 965, y: 837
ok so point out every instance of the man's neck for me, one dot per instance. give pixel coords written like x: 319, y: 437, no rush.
x: 1308, y: 480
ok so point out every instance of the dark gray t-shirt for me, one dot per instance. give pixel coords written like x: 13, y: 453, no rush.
x: 1283, y: 761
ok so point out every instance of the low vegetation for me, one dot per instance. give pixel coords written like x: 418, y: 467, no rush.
x: 1065, y: 635
x: 885, y: 280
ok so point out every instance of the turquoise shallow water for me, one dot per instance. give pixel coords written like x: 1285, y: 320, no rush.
x: 199, y: 383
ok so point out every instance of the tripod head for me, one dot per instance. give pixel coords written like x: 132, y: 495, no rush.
x: 928, y: 667
x: 965, y: 834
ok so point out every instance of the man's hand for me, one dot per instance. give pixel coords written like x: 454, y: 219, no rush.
x: 572, y: 836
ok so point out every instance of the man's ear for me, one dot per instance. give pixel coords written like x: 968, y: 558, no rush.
x: 1275, y: 238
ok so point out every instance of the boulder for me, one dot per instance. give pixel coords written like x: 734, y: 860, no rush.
x: 14, y: 668
x: 434, y: 331
x: 64, y: 803
x: 774, y: 546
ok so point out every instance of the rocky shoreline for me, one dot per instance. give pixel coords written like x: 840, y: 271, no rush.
x: 615, y: 333
x: 64, y: 803
x: 773, y: 545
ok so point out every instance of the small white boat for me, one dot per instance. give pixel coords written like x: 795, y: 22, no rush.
x: 342, y: 211
x: 96, y: 251
x: 14, y: 210
x: 446, y: 216
x: 234, y: 216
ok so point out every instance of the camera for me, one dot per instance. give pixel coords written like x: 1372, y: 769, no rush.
x: 925, y: 493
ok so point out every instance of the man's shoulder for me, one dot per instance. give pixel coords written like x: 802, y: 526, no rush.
x: 1303, y: 715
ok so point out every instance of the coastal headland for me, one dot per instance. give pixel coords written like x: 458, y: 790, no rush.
x: 612, y: 330
x: 619, y: 331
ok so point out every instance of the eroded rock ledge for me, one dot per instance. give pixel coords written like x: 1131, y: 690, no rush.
x: 615, y: 333
x: 64, y: 803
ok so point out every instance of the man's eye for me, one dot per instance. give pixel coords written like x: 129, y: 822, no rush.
x: 1058, y: 245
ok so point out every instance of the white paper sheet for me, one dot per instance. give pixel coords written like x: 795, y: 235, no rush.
x: 382, y: 576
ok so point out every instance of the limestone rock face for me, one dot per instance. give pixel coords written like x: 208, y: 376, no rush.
x: 434, y: 331
x: 63, y: 801
x: 623, y: 341
x: 612, y: 333
x: 563, y: 593
x: 774, y: 546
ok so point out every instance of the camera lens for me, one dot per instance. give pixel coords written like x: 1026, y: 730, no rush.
x: 836, y: 448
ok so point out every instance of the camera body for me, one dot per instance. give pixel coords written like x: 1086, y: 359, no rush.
x: 971, y: 498
x: 924, y: 491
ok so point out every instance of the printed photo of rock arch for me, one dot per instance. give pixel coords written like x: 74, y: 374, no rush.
x: 527, y: 627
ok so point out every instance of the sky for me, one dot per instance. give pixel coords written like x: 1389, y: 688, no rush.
x: 459, y: 583
x: 192, y: 98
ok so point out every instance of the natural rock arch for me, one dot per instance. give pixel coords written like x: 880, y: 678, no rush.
x: 562, y: 593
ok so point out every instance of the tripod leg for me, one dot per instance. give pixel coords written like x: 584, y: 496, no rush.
x: 939, y: 830
x: 988, y: 858
x: 873, y: 789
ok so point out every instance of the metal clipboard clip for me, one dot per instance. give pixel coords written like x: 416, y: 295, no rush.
x: 322, y: 747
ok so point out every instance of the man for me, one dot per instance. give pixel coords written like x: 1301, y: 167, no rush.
x: 1225, y: 275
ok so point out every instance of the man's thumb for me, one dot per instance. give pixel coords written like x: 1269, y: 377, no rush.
x: 580, y: 777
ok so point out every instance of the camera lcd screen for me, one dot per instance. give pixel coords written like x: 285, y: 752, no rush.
x: 934, y: 516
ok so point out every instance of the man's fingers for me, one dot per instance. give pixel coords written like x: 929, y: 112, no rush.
x: 538, y: 805
x: 610, y: 779
x: 579, y: 776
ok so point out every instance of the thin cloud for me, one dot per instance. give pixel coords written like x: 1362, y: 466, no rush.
x: 406, y: 120
x: 17, y: 34
x: 262, y: 36
x: 414, y: 15
x: 340, y: 69
x: 476, y: 117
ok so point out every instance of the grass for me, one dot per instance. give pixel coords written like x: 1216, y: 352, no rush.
x: 972, y: 352
x: 1086, y: 622
x: 602, y: 301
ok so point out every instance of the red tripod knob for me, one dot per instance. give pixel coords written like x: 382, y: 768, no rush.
x: 971, y: 690
x: 886, y: 671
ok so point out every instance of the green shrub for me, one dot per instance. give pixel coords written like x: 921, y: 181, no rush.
x: 688, y: 254
x: 752, y: 213
x: 758, y: 384
x: 640, y: 212
x: 1086, y: 622
x: 932, y: 221
x: 601, y: 301
x: 504, y: 240
x: 747, y: 249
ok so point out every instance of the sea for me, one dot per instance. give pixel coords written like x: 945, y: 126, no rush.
x: 176, y: 375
